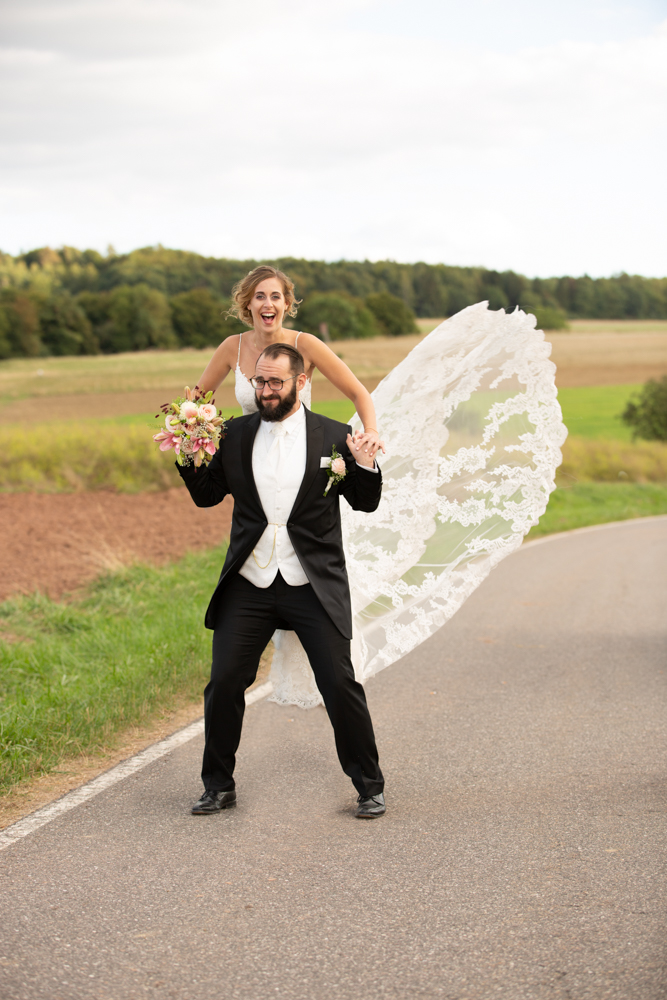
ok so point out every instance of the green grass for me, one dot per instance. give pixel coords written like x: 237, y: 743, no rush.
x: 72, y: 675
x: 594, y: 412
x: 597, y: 503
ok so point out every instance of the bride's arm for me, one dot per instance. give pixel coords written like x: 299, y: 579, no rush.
x: 220, y: 365
x: 331, y: 366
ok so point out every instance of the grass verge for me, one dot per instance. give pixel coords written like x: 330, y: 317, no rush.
x: 74, y: 675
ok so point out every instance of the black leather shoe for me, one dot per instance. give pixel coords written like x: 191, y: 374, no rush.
x: 371, y: 807
x: 212, y: 802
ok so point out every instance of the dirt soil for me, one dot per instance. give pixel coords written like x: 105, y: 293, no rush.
x: 54, y: 543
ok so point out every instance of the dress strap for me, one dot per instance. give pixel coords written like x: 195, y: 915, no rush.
x: 296, y: 340
x: 238, y: 356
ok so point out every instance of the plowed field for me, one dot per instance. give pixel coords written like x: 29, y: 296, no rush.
x: 54, y: 543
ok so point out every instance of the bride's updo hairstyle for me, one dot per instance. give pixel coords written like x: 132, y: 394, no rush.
x: 243, y: 291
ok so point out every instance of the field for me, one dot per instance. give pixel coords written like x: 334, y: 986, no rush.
x: 112, y: 386
x: 94, y: 511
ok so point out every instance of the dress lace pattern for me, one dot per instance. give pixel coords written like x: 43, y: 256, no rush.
x: 473, y: 431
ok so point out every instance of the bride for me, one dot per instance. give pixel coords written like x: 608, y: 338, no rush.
x: 473, y: 431
x: 262, y: 300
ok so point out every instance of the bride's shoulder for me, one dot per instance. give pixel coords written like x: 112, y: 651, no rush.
x: 309, y: 344
x: 302, y: 337
x: 229, y: 347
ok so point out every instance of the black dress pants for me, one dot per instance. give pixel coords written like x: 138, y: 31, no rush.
x: 247, y: 618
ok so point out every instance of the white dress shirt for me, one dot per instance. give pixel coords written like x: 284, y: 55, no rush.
x: 278, y: 465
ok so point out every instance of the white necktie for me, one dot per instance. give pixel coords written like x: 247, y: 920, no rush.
x: 277, y: 450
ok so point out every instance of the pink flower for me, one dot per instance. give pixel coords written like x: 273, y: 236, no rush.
x: 200, y: 442
x: 167, y: 440
x: 207, y: 412
x: 209, y: 447
x: 338, y: 467
x: 189, y: 412
x: 187, y: 446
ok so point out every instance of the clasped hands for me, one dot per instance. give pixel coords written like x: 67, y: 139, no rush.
x: 364, y: 445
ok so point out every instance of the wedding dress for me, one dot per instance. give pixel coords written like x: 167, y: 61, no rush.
x: 473, y: 430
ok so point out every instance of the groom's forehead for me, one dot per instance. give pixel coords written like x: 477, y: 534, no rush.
x: 273, y: 367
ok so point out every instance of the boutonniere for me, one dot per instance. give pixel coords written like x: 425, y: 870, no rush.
x: 337, y: 469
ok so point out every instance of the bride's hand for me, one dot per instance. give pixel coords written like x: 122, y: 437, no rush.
x: 369, y: 441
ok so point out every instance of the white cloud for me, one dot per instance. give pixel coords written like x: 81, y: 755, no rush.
x: 288, y: 130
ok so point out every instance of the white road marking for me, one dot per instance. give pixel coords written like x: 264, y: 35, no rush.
x: 74, y: 798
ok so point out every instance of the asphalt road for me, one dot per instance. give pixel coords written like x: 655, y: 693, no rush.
x: 522, y: 855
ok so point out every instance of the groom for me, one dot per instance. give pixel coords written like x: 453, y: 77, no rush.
x: 285, y: 568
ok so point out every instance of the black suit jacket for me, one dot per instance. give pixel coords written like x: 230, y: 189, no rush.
x: 314, y: 523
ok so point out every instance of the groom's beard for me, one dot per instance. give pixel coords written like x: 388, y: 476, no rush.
x: 272, y: 414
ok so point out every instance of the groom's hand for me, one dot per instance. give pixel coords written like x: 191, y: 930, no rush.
x: 358, y: 453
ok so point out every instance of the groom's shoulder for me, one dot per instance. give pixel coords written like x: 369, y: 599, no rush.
x: 334, y: 427
x: 235, y: 425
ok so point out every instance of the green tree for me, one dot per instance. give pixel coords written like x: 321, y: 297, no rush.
x: 496, y: 297
x: 394, y: 317
x: 65, y: 328
x: 549, y: 318
x: 139, y: 318
x: 96, y: 306
x: 200, y: 319
x: 5, y: 343
x: 345, y: 317
x: 20, y: 324
x: 429, y: 289
x: 646, y: 413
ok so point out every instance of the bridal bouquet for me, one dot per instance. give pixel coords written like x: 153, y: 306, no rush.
x: 192, y: 427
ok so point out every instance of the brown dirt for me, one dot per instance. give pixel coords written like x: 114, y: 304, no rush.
x: 54, y: 543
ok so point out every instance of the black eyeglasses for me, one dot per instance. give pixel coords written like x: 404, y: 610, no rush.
x: 275, y: 384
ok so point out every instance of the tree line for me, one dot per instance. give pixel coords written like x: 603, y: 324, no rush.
x: 71, y: 301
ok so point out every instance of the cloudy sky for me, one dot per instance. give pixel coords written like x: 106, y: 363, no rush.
x: 525, y: 134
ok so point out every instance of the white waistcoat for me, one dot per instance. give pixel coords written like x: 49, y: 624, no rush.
x: 278, y: 465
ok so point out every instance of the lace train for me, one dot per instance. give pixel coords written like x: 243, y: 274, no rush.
x: 473, y: 431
